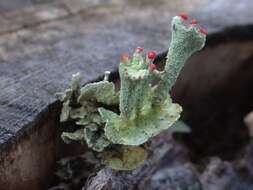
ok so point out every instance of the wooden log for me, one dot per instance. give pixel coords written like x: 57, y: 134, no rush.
x: 38, y: 60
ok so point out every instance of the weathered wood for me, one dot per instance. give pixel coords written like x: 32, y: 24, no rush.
x: 36, y: 62
x: 38, y: 58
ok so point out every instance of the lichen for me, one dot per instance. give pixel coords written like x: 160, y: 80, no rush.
x: 118, y: 124
x: 141, y: 128
x: 127, y: 158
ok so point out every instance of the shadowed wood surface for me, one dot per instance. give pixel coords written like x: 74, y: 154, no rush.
x: 42, y: 46
x: 38, y: 59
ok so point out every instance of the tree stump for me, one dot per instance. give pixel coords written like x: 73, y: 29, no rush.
x: 42, y: 46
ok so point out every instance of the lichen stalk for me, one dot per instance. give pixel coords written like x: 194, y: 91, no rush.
x: 184, y: 42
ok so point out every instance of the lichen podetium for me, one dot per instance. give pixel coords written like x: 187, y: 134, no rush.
x: 118, y: 124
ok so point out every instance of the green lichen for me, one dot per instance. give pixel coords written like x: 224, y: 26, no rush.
x: 127, y: 158
x: 69, y: 97
x: 101, y: 92
x: 184, y: 42
x: 117, y: 124
x: 141, y: 128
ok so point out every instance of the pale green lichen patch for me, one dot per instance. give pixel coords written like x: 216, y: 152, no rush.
x: 102, y: 92
x: 69, y: 97
x: 95, y: 139
x: 117, y: 124
x: 68, y: 137
x: 90, y: 134
x: 141, y: 129
x: 128, y: 158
